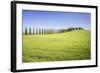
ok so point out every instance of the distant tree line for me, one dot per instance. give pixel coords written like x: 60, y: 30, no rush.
x: 29, y: 31
x: 70, y: 29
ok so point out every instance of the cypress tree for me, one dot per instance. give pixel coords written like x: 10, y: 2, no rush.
x: 36, y: 31
x: 29, y: 31
x: 42, y: 31
x: 33, y: 31
x: 39, y: 31
x: 26, y: 31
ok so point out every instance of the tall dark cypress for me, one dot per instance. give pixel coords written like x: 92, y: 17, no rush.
x: 42, y: 31
x: 36, y: 31
x: 39, y: 31
x: 29, y: 31
x: 33, y: 31
x: 26, y: 31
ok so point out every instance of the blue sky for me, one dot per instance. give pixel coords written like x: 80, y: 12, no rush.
x: 55, y: 19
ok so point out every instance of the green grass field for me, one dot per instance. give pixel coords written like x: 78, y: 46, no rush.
x: 73, y: 45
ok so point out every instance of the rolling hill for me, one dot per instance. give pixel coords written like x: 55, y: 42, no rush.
x: 73, y: 45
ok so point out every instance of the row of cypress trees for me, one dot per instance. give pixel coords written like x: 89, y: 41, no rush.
x: 38, y: 31
x: 48, y: 31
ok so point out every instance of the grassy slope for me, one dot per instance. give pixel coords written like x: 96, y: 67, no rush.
x: 74, y: 45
